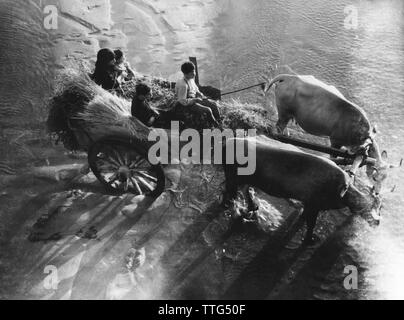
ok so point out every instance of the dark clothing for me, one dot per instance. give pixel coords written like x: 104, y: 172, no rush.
x: 105, y: 79
x: 253, y: 204
x: 212, y: 105
x: 143, y: 111
x: 104, y: 73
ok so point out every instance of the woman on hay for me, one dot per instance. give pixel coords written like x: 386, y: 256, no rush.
x: 105, y: 74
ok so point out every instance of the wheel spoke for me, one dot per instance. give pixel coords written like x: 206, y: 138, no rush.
x: 134, y: 162
x: 126, y: 159
x: 113, y: 178
x: 140, y: 169
x: 107, y: 167
x: 146, y: 184
x: 126, y: 185
x: 120, y: 167
x: 147, y: 176
x: 110, y: 160
x: 136, y: 185
x: 119, y: 157
x: 137, y: 162
x: 113, y: 155
x: 132, y: 165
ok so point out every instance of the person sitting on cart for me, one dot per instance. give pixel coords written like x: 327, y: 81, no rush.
x: 141, y: 108
x: 187, y: 94
x: 104, y: 73
x: 122, y: 67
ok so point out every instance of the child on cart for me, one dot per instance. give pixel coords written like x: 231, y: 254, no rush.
x: 141, y: 109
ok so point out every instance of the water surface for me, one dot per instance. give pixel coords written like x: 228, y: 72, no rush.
x: 253, y: 38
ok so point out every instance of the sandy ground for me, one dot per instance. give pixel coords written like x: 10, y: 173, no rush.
x: 162, y: 34
x: 180, y: 245
x: 156, y: 35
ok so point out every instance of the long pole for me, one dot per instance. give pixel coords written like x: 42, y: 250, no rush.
x: 239, y: 90
x: 320, y: 148
x: 195, y: 62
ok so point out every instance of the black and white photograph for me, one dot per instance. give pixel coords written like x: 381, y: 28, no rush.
x: 219, y: 151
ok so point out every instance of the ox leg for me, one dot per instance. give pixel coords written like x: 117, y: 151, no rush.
x: 310, y: 215
x: 335, y: 145
x: 230, y: 172
x: 282, y: 124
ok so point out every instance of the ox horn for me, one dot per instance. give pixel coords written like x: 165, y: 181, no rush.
x: 393, y: 166
x: 376, y: 216
x: 265, y: 85
x: 393, y: 189
x: 397, y: 166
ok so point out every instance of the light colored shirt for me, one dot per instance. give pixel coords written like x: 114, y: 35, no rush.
x: 185, y: 91
x: 124, y: 71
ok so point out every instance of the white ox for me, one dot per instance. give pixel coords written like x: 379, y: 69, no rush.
x: 322, y: 110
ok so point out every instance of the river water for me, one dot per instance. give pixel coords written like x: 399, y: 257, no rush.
x: 364, y: 58
x: 366, y: 62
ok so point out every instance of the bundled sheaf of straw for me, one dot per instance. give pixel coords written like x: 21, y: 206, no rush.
x: 78, y: 100
x: 73, y: 91
x: 107, y: 114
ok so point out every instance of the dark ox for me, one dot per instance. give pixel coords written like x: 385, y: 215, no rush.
x: 285, y: 171
x: 322, y: 110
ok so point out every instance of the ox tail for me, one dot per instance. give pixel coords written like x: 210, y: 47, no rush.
x: 279, y: 78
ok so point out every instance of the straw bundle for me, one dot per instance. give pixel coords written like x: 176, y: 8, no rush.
x: 108, y: 115
x: 80, y: 106
x: 74, y: 91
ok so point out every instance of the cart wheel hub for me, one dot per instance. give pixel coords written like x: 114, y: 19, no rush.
x: 124, y: 171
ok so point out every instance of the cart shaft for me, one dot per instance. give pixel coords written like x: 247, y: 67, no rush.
x: 348, y: 158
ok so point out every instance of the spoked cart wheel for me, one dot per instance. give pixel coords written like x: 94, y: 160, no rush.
x: 122, y: 167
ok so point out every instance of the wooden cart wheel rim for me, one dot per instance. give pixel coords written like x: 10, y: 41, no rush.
x: 136, y: 178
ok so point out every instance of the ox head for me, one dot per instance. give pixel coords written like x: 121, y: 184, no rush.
x: 363, y: 200
x: 372, y: 214
x: 378, y: 173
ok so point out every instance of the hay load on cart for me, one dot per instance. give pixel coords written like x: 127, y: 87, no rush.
x: 85, y: 117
